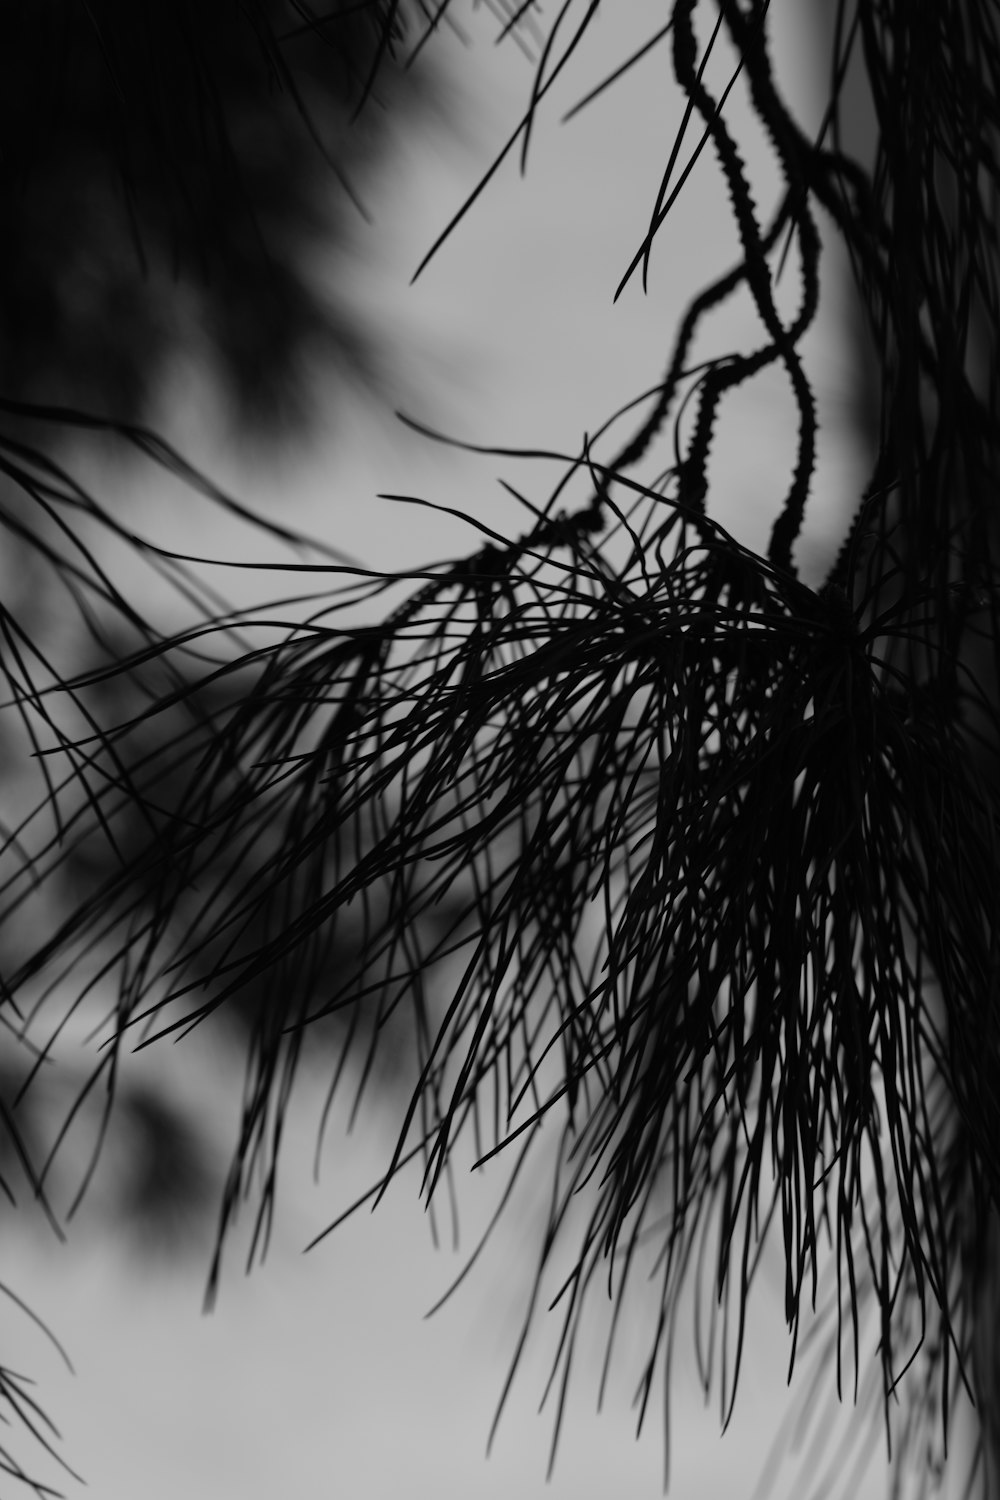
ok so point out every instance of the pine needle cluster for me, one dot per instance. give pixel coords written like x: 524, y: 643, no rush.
x: 720, y: 848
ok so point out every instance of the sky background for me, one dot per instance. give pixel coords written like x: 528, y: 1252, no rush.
x: 319, y: 1374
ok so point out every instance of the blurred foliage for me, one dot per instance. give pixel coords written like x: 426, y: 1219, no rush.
x: 166, y: 169
x: 172, y: 176
x: 153, y: 1185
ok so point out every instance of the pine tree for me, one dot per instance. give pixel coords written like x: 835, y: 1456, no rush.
x: 721, y: 843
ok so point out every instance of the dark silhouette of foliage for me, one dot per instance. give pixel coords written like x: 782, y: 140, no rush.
x: 166, y: 170
x: 725, y: 843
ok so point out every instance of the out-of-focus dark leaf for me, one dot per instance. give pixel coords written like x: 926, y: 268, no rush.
x: 167, y: 169
x: 158, y: 1176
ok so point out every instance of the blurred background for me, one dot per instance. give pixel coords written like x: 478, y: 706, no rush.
x: 207, y: 236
